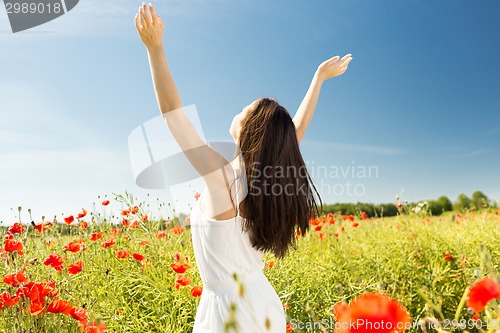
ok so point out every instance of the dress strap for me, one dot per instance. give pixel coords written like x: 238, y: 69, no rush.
x: 237, y: 190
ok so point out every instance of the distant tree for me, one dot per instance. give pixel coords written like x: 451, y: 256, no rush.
x: 479, y: 200
x: 387, y: 210
x: 463, y: 202
x: 434, y: 208
x: 439, y: 206
x: 444, y: 203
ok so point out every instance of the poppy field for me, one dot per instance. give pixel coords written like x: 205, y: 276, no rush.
x: 111, y: 268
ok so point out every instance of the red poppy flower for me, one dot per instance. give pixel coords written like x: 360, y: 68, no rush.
x: 134, y: 224
x: 75, y: 267
x: 83, y: 225
x: 138, y: 256
x: 177, y: 230
x: 60, y: 306
x: 37, y: 307
x: 94, y: 327
x: 321, y: 236
x: 82, y: 214
x: 371, y: 312
x: 79, y: 314
x: 179, y: 267
x: 109, y: 242
x: 122, y: 254
x: 160, y: 234
x: 289, y: 328
x: 482, y: 292
x: 318, y: 228
x: 355, y: 224
x: 177, y: 256
x: 144, y: 242
x: 55, y: 261
x: 125, y: 222
x: 37, y: 291
x: 70, y: 219
x: 96, y: 236
x: 182, y: 280
x: 11, y: 245
x: 8, y: 300
x: 363, y: 216
x: 105, y: 202
x: 115, y: 231
x: 196, y: 291
x: 17, y: 228
x: 447, y: 256
x: 74, y: 247
x: 144, y: 218
x: 15, y: 279
x: 314, y: 222
x: 42, y: 227
x: 270, y: 264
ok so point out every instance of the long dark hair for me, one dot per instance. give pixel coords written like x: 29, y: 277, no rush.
x: 281, y: 195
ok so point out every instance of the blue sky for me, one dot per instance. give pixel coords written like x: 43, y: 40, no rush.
x: 419, y: 102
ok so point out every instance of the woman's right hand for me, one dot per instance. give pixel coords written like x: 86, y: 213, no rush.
x: 333, y: 67
x: 150, y: 26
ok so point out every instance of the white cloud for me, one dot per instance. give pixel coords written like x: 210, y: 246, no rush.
x: 335, y: 146
x: 475, y: 153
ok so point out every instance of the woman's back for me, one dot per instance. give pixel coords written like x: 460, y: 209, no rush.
x: 222, y: 249
x: 221, y: 246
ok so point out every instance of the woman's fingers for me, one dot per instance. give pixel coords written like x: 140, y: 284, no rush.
x: 137, y: 24
x: 146, y: 20
x: 142, y: 18
x: 346, y: 57
x: 334, y: 59
x: 154, y: 17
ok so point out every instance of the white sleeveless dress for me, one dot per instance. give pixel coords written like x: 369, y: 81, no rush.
x: 221, y: 249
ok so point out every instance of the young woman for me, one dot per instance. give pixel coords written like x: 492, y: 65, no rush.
x: 252, y: 204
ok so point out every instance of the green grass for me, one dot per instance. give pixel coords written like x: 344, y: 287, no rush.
x: 402, y: 257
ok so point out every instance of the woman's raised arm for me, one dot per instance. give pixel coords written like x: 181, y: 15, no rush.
x: 328, y: 69
x: 150, y: 27
x: 201, y: 156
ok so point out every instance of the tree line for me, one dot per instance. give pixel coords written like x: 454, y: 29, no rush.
x: 477, y: 201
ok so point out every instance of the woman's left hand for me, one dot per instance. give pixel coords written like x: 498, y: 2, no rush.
x: 333, y: 67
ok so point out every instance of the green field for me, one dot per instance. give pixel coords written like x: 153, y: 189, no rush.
x: 424, y: 262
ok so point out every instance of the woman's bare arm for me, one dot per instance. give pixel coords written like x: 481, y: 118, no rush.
x: 201, y: 156
x: 150, y: 27
x: 328, y: 69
